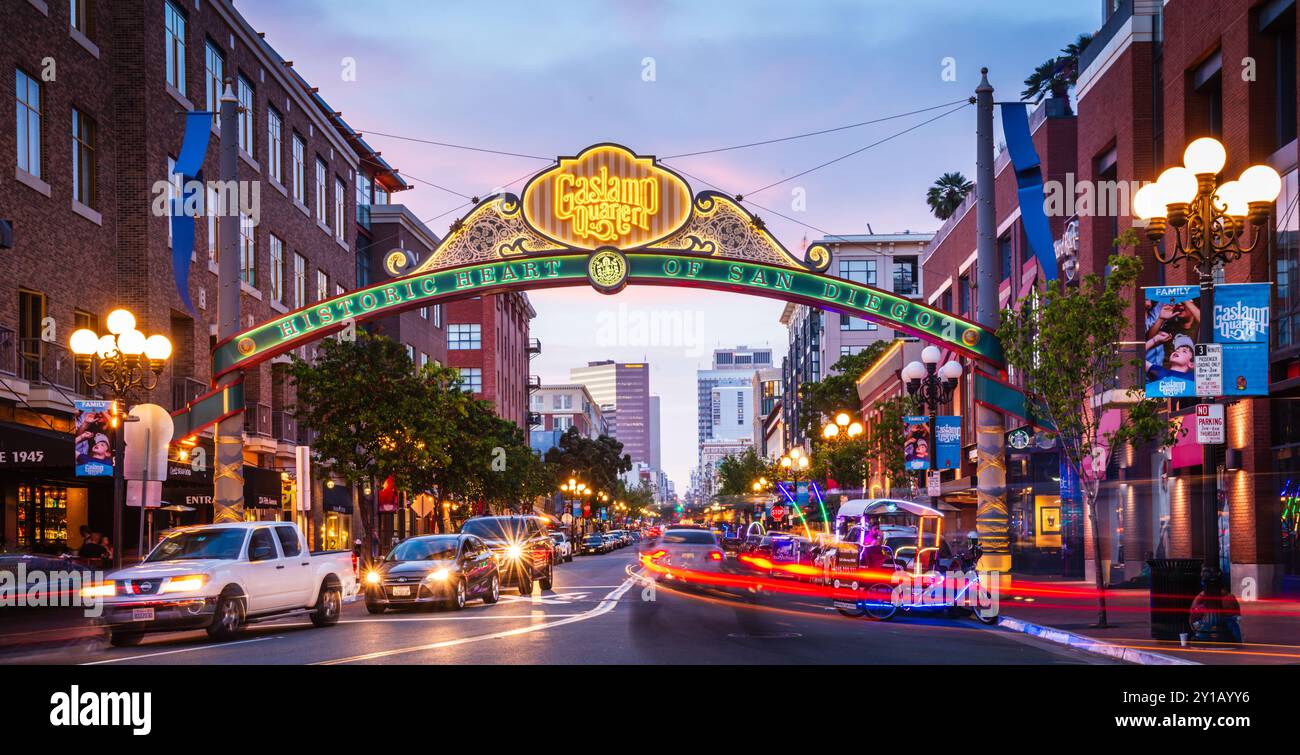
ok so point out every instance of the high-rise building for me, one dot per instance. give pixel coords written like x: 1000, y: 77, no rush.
x: 731, y: 381
x: 655, y: 448
x: 488, y: 343
x: 624, y: 388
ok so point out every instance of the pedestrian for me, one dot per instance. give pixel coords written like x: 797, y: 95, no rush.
x: 91, y: 547
x: 1215, y: 615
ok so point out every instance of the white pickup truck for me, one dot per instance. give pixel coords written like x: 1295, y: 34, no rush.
x: 223, y: 576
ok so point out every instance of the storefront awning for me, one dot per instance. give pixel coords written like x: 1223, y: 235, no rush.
x: 27, y: 447
x: 261, y: 489
x: 338, y: 499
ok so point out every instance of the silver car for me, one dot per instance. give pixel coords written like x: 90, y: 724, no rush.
x: 689, y: 549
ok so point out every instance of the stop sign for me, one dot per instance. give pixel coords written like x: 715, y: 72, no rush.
x: 778, y: 512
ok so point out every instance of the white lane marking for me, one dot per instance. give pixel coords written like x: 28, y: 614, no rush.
x: 455, y: 618
x: 180, y: 650
x: 606, y: 605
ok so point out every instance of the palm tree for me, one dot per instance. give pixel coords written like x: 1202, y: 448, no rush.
x: 1057, y: 75
x: 947, y: 193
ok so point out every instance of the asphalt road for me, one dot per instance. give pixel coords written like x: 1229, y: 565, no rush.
x: 597, y: 614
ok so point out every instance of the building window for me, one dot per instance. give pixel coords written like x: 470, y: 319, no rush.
x: 363, y: 263
x: 945, y: 301
x: 462, y: 337
x: 174, y: 36
x: 83, y: 159
x: 212, y: 211
x: 471, y: 379
x: 905, y: 276
x: 561, y: 423
x: 322, y: 286
x: 173, y: 193
x: 424, y: 313
x: 214, y: 73
x: 321, y: 171
x: 963, y: 293
x: 424, y: 360
x: 851, y: 350
x: 381, y: 195
x: 246, y: 115
x: 859, y: 271
x: 437, y: 315
x: 247, y: 250
x: 340, y: 190
x: 274, y: 145
x: 363, y: 199
x: 1283, y: 32
x: 563, y: 401
x: 299, y: 170
x: 28, y: 91
x: 81, y: 17
x: 848, y: 322
x: 277, y: 269
x: 1286, y: 311
x: 31, y: 316
x: 1004, y: 256
x: 299, y: 280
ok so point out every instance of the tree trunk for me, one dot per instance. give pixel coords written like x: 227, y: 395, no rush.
x: 1090, y: 494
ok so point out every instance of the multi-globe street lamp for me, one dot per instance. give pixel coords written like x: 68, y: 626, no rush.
x: 127, y: 362
x: 574, y: 491
x: 1206, y: 222
x: 932, y: 387
x: 843, y: 427
x: 796, y: 463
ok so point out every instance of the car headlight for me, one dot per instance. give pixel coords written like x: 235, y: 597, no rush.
x: 372, y: 577
x: 187, y: 583
x: 514, y: 551
x: 99, y: 590
x: 439, y: 575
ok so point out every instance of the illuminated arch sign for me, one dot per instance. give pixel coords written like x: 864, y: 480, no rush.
x: 607, y: 218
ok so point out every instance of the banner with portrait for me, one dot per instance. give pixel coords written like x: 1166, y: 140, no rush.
x: 1172, y: 325
x: 947, y: 442
x: 916, y: 443
x: 93, y: 438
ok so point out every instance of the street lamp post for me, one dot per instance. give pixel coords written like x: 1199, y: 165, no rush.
x: 932, y: 386
x: 1208, y: 221
x: 127, y: 362
x: 842, y: 429
x: 795, y: 462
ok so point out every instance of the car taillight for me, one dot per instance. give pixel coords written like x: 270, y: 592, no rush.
x: 715, y: 555
x: 354, y: 564
x: 655, y: 556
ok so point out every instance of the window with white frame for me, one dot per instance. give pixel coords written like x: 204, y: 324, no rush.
x: 277, y: 269
x: 464, y: 336
x: 437, y: 315
x: 563, y: 401
x: 28, y: 92
x: 299, y: 280
x: 245, y: 114
x: 274, y: 145
x: 299, y: 169
x: 247, y: 250
x: 321, y: 171
x: 83, y: 159
x: 859, y: 271
x: 212, y: 209
x: 174, y: 38
x: 322, y: 286
x: 424, y: 313
x: 471, y: 379
x: 214, y: 73
x: 561, y: 423
x: 339, y: 204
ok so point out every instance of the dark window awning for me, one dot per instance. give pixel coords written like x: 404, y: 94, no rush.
x: 27, y: 447
x: 261, y: 490
x: 337, y: 499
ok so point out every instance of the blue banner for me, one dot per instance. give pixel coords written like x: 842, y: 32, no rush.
x: 947, y: 442
x: 93, y: 442
x: 1070, y: 490
x: 1029, y: 184
x: 916, y: 443
x: 1172, y: 325
x: 194, y: 147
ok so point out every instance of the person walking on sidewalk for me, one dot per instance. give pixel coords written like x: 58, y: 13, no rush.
x: 1215, y: 615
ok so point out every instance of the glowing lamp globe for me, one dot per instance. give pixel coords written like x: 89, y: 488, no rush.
x: 1260, y: 183
x: 1230, y: 196
x: 1205, y: 156
x: 131, y: 343
x: 157, y: 348
x: 842, y: 419
x: 950, y: 370
x: 914, y: 371
x: 931, y: 354
x: 83, y: 342
x: 120, y: 321
x: 1177, y: 185
x: 107, y: 347
x: 830, y: 431
x: 1147, y: 202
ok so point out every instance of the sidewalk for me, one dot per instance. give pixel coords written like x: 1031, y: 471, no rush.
x: 1271, y: 628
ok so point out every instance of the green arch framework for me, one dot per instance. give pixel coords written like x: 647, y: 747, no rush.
x: 492, y: 249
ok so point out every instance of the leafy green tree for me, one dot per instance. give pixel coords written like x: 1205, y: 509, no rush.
x: 838, y: 391
x: 947, y: 194
x: 374, y: 414
x: 597, y: 462
x: 1056, y: 75
x: 737, y: 473
x: 884, y: 438
x: 1064, y: 343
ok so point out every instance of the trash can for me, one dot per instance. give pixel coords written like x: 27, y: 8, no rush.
x: 1175, y: 583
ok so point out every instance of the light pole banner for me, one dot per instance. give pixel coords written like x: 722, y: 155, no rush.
x: 947, y: 442
x: 916, y: 442
x: 93, y: 443
x: 1172, y: 323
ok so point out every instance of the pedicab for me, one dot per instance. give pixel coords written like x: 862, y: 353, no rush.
x: 904, y: 564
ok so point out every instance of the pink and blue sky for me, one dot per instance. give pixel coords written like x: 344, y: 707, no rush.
x: 548, y: 78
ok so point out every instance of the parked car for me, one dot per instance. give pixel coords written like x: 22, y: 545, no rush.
x: 223, y: 576
x: 524, y: 551
x: 434, y: 570
x: 563, y: 546
x: 595, y: 543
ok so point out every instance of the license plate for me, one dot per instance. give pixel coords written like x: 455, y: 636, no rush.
x: 688, y: 556
x: 402, y: 591
x: 141, y: 614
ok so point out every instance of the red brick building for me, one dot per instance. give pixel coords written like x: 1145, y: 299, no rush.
x: 100, y: 95
x: 487, y: 340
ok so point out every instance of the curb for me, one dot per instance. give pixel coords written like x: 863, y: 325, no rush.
x: 1090, y: 645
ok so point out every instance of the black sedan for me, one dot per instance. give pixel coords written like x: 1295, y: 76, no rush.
x: 434, y: 569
